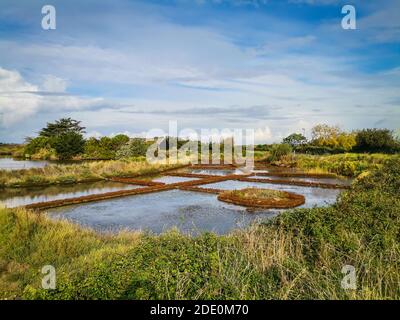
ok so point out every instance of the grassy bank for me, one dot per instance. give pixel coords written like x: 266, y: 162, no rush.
x: 298, y: 255
x: 11, y: 149
x: 345, y: 164
x: 82, y: 172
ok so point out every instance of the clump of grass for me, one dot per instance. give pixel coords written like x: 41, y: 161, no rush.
x: 297, y: 255
x: 258, y: 193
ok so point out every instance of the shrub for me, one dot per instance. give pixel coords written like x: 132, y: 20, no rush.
x: 376, y: 140
x: 104, y: 148
x: 277, y: 151
x: 68, y: 145
x: 134, y: 148
x: 34, y: 145
x: 310, y: 149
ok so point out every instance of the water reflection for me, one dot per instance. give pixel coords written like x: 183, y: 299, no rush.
x: 190, y: 212
x: 14, y: 164
x: 314, y: 196
x: 14, y: 197
x: 172, y: 179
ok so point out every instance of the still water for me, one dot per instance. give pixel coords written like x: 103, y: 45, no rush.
x: 13, y: 164
x: 14, y: 197
x: 190, y: 212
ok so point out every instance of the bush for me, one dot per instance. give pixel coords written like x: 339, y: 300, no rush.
x: 277, y: 151
x: 68, y: 145
x: 376, y: 140
x: 34, y: 145
x: 134, y: 148
x: 310, y: 149
x: 104, y: 148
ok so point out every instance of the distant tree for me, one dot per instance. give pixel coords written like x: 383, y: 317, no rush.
x: 325, y: 135
x: 375, y: 140
x: 333, y: 137
x: 68, y: 145
x: 118, y: 141
x: 60, y: 127
x: 295, y: 139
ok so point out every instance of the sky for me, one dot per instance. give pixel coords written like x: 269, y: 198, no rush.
x: 127, y: 66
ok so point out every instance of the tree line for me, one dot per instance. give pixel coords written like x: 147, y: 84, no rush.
x: 63, y: 139
x: 327, y: 139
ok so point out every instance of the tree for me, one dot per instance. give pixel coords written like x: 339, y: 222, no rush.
x: 60, y: 127
x: 332, y: 137
x: 325, y: 135
x: 295, y: 139
x: 68, y: 145
x: 375, y: 140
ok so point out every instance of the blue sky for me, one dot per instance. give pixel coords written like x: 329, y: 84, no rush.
x: 131, y: 66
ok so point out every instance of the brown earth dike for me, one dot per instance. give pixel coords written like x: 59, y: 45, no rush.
x: 122, y: 193
x: 139, y: 182
x: 295, y: 183
x: 297, y: 175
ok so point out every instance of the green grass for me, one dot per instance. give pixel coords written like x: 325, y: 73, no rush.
x: 297, y: 255
x: 82, y: 172
x: 11, y: 149
x: 346, y: 164
x: 257, y: 193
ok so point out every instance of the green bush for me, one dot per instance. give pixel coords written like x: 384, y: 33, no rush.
x: 104, y: 148
x: 134, y: 148
x: 34, y: 145
x: 68, y: 145
x: 278, y: 151
x: 376, y: 140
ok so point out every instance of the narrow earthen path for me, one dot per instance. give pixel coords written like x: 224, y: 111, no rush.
x: 151, y: 187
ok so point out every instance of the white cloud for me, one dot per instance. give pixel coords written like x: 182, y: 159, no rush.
x: 20, y: 99
x: 54, y: 84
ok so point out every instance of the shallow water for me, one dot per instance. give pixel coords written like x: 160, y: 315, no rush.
x: 172, y: 179
x: 190, y: 212
x: 14, y: 197
x: 13, y: 164
x: 314, y: 196
x: 345, y: 182
x: 216, y: 172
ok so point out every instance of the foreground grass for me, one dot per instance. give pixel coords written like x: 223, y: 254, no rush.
x: 298, y: 255
x: 82, y: 172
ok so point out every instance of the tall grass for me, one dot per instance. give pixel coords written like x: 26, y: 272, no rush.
x: 87, y: 171
x: 297, y: 255
x: 347, y: 164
